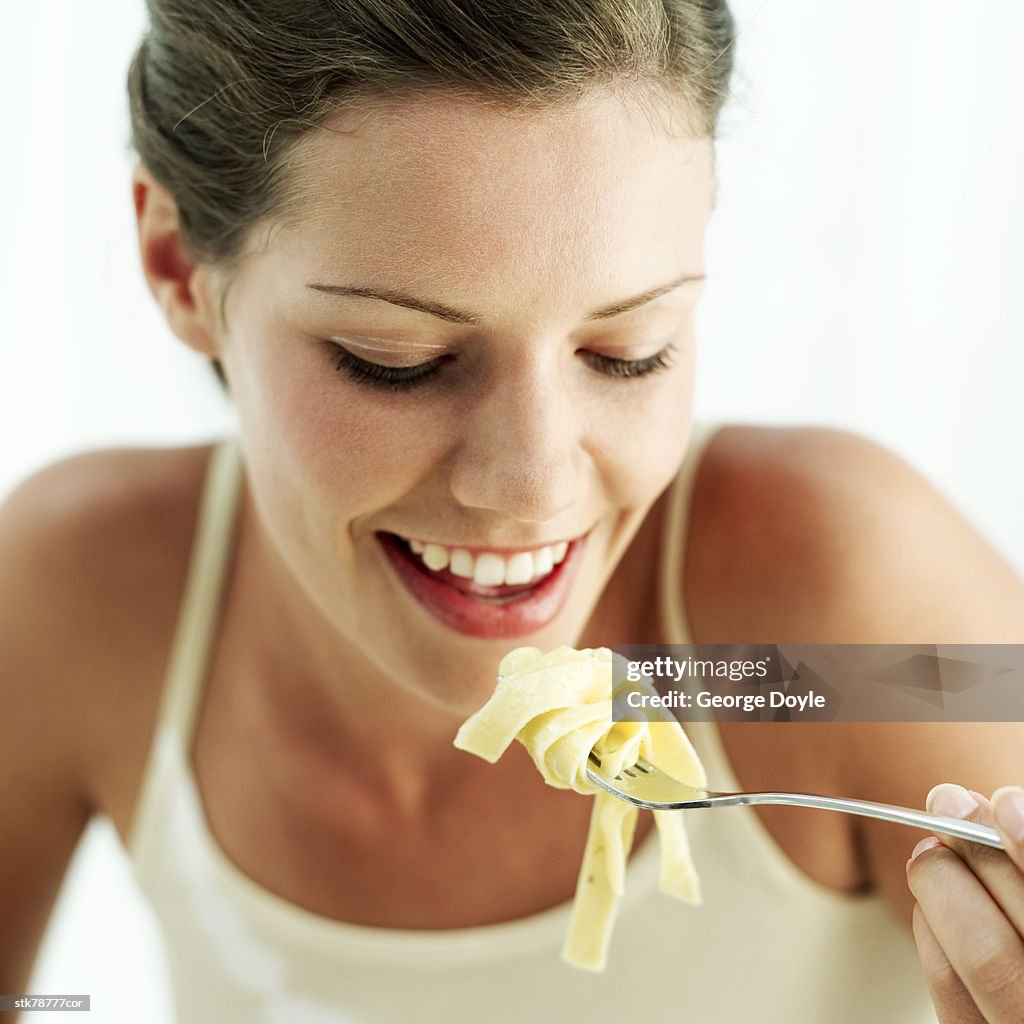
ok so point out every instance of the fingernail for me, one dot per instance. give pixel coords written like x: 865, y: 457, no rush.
x: 926, y: 844
x: 1008, y: 804
x: 951, y: 801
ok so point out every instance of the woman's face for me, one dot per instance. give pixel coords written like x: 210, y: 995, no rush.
x: 463, y: 371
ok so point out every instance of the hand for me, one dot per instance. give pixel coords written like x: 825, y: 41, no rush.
x: 969, y: 916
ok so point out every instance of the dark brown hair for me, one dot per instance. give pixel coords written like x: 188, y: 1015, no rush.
x: 221, y: 90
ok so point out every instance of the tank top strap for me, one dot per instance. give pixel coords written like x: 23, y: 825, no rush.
x: 705, y: 736
x: 673, y: 540
x: 198, y: 616
x: 195, y: 631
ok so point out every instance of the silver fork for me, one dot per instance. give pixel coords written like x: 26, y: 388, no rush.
x: 647, y: 786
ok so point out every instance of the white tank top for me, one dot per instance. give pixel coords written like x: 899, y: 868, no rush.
x: 767, y: 945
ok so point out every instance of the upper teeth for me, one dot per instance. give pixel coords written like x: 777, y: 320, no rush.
x: 488, y: 568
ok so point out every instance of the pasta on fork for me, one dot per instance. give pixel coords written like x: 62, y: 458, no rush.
x: 559, y: 706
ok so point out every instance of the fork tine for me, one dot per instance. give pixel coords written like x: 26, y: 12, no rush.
x: 639, y: 766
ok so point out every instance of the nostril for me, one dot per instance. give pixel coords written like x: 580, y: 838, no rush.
x: 527, y: 491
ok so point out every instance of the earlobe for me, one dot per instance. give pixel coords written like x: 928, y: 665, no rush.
x: 177, y: 282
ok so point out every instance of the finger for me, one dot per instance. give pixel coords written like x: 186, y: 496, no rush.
x: 953, y: 1003
x: 998, y: 873
x: 981, y: 945
x: 1008, y: 808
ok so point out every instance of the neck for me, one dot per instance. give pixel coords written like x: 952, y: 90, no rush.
x: 313, y: 688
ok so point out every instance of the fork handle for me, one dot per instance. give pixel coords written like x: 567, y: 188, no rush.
x: 865, y: 808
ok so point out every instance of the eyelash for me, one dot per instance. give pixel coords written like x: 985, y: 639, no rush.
x: 392, y: 378
x: 405, y: 378
x: 612, y: 367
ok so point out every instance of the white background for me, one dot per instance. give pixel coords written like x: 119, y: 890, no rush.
x: 862, y: 262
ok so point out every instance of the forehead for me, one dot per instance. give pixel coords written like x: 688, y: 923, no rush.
x: 450, y: 185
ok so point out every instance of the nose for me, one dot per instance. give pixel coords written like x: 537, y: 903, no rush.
x: 522, y: 451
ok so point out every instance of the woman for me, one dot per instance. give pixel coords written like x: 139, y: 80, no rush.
x: 447, y: 261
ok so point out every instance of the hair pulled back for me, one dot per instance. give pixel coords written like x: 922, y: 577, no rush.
x: 221, y: 90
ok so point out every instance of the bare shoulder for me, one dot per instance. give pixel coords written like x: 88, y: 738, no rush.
x: 819, y: 535
x: 822, y: 536
x: 93, y: 552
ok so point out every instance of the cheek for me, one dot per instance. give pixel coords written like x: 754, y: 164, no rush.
x: 645, y: 441
x: 324, y: 451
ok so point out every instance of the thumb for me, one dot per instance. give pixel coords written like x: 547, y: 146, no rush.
x: 1008, y: 811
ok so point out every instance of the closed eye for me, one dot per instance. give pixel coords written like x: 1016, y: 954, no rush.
x: 405, y: 378
x: 614, y: 367
x: 393, y: 378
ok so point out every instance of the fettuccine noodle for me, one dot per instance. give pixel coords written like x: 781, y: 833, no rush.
x: 559, y: 706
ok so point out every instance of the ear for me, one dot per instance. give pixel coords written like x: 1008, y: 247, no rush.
x: 182, y: 287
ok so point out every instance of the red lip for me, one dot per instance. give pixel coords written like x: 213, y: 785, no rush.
x: 501, y: 612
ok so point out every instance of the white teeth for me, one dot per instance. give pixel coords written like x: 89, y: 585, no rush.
x: 519, y: 568
x: 543, y: 561
x: 462, y: 564
x: 435, y: 557
x: 489, y: 570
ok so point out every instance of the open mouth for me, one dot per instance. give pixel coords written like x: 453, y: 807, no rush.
x: 487, y: 575
x: 485, y: 593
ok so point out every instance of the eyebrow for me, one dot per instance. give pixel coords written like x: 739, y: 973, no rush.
x: 456, y: 316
